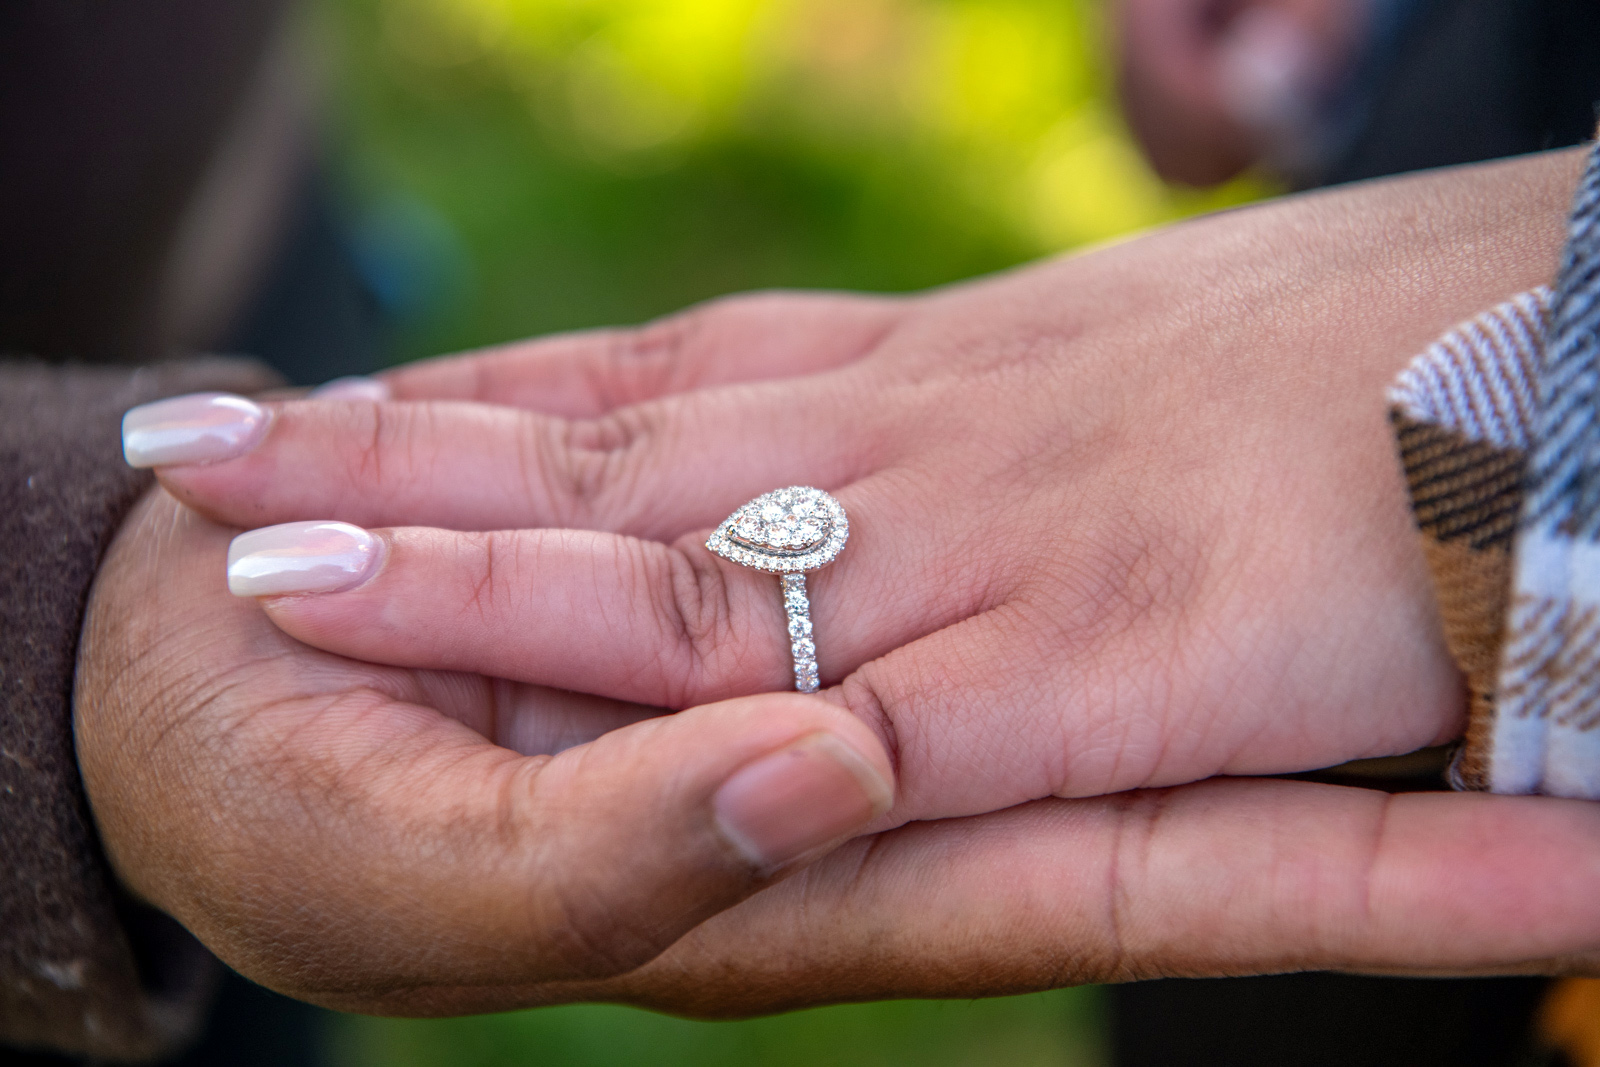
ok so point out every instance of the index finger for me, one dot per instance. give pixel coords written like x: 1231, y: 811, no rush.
x: 746, y: 338
x: 1223, y: 877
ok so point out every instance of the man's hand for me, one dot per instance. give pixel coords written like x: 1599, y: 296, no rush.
x: 350, y: 834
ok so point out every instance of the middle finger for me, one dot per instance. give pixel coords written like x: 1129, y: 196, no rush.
x: 655, y: 470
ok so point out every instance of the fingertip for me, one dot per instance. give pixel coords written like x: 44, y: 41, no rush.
x: 799, y: 801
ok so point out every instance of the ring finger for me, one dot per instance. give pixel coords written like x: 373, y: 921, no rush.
x: 664, y: 625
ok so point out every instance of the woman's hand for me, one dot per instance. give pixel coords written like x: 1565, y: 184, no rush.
x: 1125, y: 520
x: 1117, y: 521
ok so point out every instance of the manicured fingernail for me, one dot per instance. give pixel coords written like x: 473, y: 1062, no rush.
x: 355, y: 387
x: 301, y: 557
x: 199, y: 428
x: 816, y: 791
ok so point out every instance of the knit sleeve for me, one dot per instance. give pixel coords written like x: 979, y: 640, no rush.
x: 1498, y: 429
x: 83, y: 970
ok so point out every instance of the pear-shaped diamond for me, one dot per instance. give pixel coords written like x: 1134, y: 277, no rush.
x: 786, y: 530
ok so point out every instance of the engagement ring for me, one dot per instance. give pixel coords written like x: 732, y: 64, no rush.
x: 788, y: 532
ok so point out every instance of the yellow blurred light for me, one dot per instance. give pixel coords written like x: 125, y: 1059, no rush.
x: 1010, y: 94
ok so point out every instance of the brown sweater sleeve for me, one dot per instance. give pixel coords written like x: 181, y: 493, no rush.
x: 82, y: 969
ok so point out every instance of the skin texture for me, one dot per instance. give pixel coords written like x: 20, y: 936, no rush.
x: 1119, y: 522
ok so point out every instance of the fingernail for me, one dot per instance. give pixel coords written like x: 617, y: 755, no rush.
x: 354, y: 387
x: 199, y: 428
x: 301, y: 557
x: 798, y: 799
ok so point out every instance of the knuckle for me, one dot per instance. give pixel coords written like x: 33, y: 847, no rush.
x: 499, y: 573
x: 678, y: 352
x: 586, y: 470
x: 696, y: 604
x: 649, y: 360
x: 871, y: 698
x: 385, y: 440
x: 1127, y: 872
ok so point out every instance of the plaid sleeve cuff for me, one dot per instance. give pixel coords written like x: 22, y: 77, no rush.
x: 1462, y: 414
x: 1498, y: 429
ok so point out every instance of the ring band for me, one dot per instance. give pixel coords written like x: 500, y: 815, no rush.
x: 788, y: 532
x: 798, y: 608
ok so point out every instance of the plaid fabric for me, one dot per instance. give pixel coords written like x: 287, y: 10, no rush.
x: 1498, y: 434
x: 1462, y: 414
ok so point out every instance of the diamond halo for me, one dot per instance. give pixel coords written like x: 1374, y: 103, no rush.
x: 788, y: 532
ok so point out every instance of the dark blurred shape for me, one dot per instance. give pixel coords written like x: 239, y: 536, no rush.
x: 109, y: 117
x: 254, y: 1027
x: 315, y: 316
x: 1328, y: 1020
x: 1211, y: 87
x: 248, y: 1027
x: 1318, y: 92
x: 1480, y: 79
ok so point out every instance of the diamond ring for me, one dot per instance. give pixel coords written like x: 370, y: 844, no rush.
x: 788, y: 532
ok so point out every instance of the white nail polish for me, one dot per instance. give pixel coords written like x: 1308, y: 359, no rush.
x: 355, y: 387
x: 301, y: 557
x: 199, y: 428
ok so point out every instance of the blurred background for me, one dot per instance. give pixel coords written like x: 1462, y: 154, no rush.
x: 1057, y: 1029
x: 512, y: 167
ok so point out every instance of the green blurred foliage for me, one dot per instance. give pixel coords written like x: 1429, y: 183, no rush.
x: 522, y: 166
x: 1057, y: 1029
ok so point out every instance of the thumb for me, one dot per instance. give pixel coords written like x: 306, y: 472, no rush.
x: 652, y: 829
x: 394, y: 861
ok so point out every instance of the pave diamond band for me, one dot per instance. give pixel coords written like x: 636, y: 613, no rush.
x: 788, y: 532
x: 804, y: 650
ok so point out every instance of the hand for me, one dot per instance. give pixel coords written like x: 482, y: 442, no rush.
x: 351, y: 835
x: 1224, y: 877
x: 1121, y: 521
x: 328, y: 829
